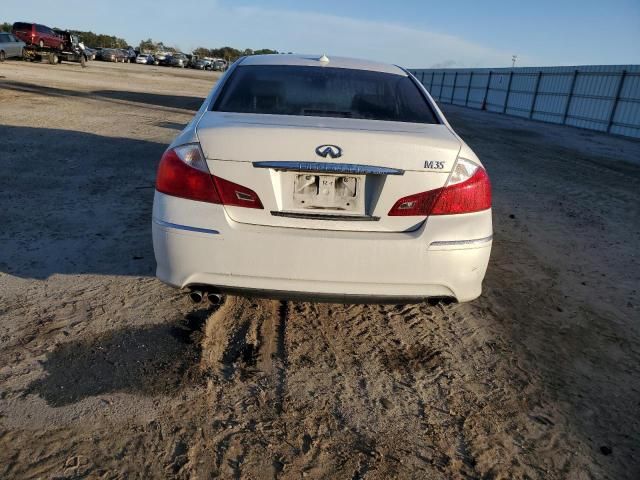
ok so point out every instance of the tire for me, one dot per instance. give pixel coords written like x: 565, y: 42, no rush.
x: 83, y: 61
x: 53, y: 58
x: 3, y: 56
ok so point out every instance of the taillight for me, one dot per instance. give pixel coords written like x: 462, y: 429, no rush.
x: 468, y: 190
x: 236, y: 195
x: 183, y: 172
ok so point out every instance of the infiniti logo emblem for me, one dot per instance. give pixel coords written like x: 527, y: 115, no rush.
x: 329, y: 151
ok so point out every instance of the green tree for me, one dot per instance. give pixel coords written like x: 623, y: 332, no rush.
x: 265, y: 51
x: 100, y: 40
x: 5, y: 27
x: 149, y: 45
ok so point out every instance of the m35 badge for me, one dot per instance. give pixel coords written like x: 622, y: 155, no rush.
x: 433, y: 165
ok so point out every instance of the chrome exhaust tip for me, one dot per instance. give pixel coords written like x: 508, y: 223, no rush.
x: 195, y: 296
x: 214, y: 298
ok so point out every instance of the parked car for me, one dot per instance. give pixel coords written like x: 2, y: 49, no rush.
x: 162, y: 58
x: 203, y: 64
x: 130, y: 54
x: 125, y: 55
x: 91, y: 53
x: 353, y: 187
x: 145, y: 58
x: 10, y: 46
x: 179, y: 60
x: 112, y: 55
x: 219, y: 65
x: 36, y: 34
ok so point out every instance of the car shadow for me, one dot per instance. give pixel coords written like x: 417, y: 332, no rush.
x: 180, y: 102
x: 169, y: 101
x: 75, y: 203
x: 154, y: 360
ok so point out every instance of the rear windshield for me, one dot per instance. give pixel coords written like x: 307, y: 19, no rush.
x: 324, y: 92
x: 21, y: 26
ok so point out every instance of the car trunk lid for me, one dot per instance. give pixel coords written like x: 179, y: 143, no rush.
x: 280, y: 158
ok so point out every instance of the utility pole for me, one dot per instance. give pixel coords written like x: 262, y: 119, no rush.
x: 513, y: 60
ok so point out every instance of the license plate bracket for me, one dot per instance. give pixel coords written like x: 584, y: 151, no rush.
x: 315, y: 191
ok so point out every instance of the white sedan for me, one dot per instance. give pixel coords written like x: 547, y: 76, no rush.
x: 321, y: 178
x: 145, y: 59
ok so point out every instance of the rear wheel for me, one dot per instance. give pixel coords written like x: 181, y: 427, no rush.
x: 83, y: 61
x: 54, y: 59
x: 3, y: 56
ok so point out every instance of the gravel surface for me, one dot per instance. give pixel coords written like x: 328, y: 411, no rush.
x: 107, y: 373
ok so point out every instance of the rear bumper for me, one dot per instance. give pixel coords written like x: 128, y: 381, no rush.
x: 289, y: 263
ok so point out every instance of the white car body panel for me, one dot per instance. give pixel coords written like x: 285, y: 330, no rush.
x: 392, y: 258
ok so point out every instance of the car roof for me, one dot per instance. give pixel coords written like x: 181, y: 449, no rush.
x: 314, y: 61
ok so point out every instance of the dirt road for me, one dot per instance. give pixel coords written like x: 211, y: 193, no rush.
x: 106, y: 373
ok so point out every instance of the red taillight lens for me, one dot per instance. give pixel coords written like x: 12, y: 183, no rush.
x: 417, y: 204
x: 236, y: 195
x: 183, y: 172
x: 177, y: 178
x: 472, y: 195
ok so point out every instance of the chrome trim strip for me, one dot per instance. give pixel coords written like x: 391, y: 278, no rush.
x: 185, y: 227
x: 461, y: 242
x: 330, y: 168
x: 325, y: 216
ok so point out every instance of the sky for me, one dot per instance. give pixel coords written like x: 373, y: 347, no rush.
x: 411, y: 33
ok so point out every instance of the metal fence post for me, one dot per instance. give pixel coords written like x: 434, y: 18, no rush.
x: 453, y: 89
x: 566, y: 107
x: 486, y: 93
x: 441, y: 85
x: 616, y: 100
x: 422, y: 79
x: 466, y: 100
x: 431, y: 84
x: 535, y: 94
x: 506, y: 98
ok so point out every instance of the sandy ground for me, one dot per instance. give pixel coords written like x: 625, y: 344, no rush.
x: 107, y: 373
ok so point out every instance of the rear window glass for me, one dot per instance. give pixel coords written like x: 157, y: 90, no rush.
x: 21, y: 26
x: 324, y: 92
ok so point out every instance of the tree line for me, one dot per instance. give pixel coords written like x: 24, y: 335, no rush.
x: 100, y: 40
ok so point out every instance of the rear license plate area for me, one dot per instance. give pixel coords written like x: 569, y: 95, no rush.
x: 312, y: 191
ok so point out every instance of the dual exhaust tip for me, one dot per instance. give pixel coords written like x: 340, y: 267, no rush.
x: 198, y: 296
